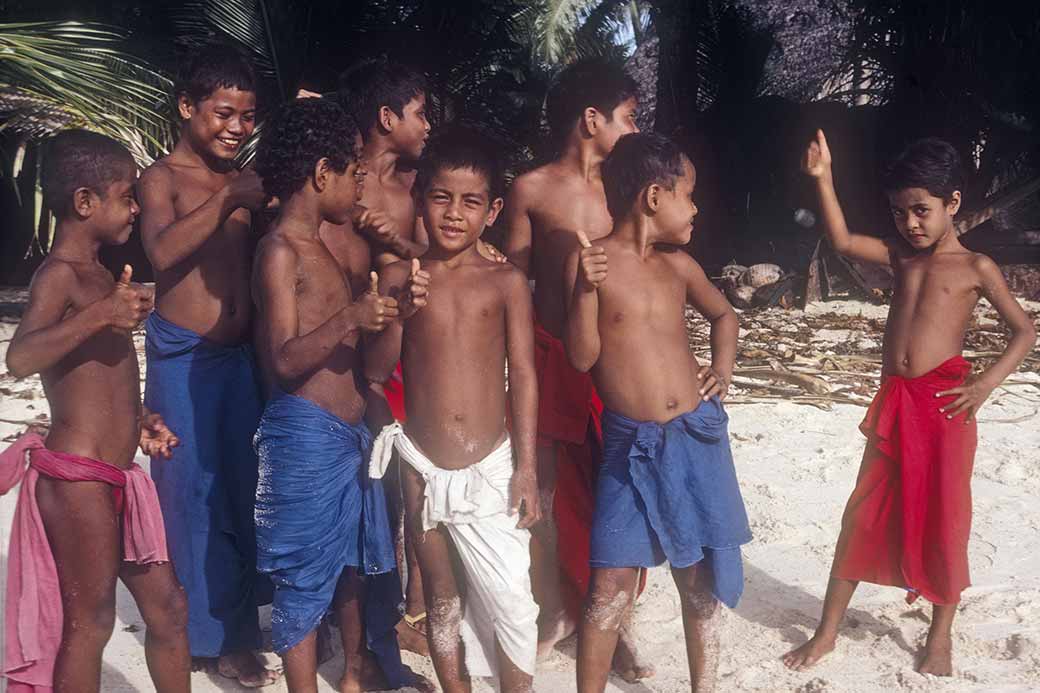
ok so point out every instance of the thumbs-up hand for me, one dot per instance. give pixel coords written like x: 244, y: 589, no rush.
x: 817, y: 159
x: 592, y: 263
x: 372, y: 312
x: 416, y: 291
x: 129, y: 303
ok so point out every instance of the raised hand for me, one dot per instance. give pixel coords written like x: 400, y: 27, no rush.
x: 711, y: 383
x: 592, y: 262
x: 130, y: 302
x: 372, y: 312
x: 817, y: 159
x: 970, y: 395
x: 491, y: 252
x: 157, y: 440
x: 247, y: 190
x: 416, y: 291
x: 377, y: 225
x: 523, y: 498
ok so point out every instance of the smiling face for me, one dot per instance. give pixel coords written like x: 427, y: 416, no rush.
x: 116, y: 210
x: 922, y: 218
x: 410, y: 130
x: 457, y: 205
x: 219, y: 124
x: 675, y: 208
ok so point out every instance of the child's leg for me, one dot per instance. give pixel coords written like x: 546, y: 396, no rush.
x: 301, y: 665
x: 553, y: 622
x: 611, y: 593
x: 839, y: 593
x: 348, y: 602
x: 164, y: 608
x: 83, y: 531
x: 512, y: 679
x: 938, y: 650
x: 699, y: 608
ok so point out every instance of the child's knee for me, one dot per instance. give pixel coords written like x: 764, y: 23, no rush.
x: 698, y: 602
x: 90, y: 618
x: 169, y: 615
x: 444, y: 614
x: 610, y: 598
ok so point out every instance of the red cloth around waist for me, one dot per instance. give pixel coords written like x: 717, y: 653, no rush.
x: 32, y: 608
x: 393, y: 388
x: 908, y: 520
x: 567, y: 399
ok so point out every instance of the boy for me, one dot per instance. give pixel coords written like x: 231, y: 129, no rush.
x: 320, y: 522
x: 591, y: 105
x: 86, y: 513
x: 463, y: 497
x: 195, y: 225
x: 667, y: 488
x: 909, y: 517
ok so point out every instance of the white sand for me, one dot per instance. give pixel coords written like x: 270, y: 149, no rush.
x: 797, y: 465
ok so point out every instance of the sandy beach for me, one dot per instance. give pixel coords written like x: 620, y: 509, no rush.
x: 797, y: 464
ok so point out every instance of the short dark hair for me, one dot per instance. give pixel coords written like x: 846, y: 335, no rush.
x: 596, y: 82
x: 460, y: 146
x: 638, y: 160
x: 75, y: 159
x: 370, y: 84
x: 930, y: 163
x: 214, y: 67
x: 301, y: 133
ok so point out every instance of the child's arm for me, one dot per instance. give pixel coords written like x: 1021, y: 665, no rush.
x: 710, y: 303
x: 518, y: 228
x: 43, y: 337
x: 156, y: 437
x: 817, y: 164
x: 977, y: 388
x: 294, y: 355
x: 168, y: 240
x: 523, y: 397
x: 392, y: 244
x: 586, y: 270
x: 409, y: 284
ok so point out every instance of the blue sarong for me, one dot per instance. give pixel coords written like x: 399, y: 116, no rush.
x: 317, y: 512
x: 669, y: 491
x: 209, y: 396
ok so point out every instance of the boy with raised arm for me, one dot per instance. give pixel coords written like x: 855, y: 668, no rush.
x: 591, y: 105
x: 909, y: 517
x: 667, y: 488
x: 321, y: 524
x: 470, y: 488
x: 195, y: 227
x: 86, y: 514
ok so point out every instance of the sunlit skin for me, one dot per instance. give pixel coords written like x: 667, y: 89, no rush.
x: 628, y: 294
x: 76, y: 333
x: 937, y: 285
x: 454, y: 353
x: 543, y: 212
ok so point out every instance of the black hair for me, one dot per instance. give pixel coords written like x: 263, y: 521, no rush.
x: 460, y: 146
x: 932, y: 164
x: 370, y: 84
x: 214, y: 67
x: 595, y: 82
x: 75, y: 159
x: 638, y: 160
x: 301, y: 133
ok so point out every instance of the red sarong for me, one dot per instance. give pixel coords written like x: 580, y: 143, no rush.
x: 567, y: 401
x: 909, y: 517
x: 393, y: 388
x: 32, y: 608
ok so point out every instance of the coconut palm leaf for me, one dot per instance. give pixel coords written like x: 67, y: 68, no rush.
x: 565, y: 29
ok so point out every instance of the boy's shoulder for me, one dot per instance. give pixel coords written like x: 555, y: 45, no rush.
x: 54, y: 273
x: 275, y: 247
x: 535, y: 181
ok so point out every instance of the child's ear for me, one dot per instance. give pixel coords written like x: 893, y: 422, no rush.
x: 588, y: 119
x: 321, y: 174
x: 83, y: 202
x: 652, y: 196
x: 387, y: 117
x: 494, y: 210
x: 185, y: 107
x: 954, y: 203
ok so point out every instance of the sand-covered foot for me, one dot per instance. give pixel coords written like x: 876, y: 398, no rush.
x: 553, y: 630
x: 628, y: 663
x: 937, y: 659
x: 411, y: 634
x: 371, y: 678
x: 809, y: 654
x: 247, y: 668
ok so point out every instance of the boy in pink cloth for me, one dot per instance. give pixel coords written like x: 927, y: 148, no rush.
x: 86, y: 513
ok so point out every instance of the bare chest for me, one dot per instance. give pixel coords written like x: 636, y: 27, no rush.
x: 639, y: 297
x: 570, y: 209
x: 935, y: 287
x: 393, y: 199
x: 321, y: 288
x: 192, y: 194
x: 459, y: 317
x: 351, y: 253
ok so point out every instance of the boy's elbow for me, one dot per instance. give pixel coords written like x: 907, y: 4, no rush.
x: 582, y: 362
x: 17, y: 365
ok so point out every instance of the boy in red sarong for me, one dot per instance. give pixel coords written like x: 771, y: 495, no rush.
x: 909, y: 517
x: 86, y: 513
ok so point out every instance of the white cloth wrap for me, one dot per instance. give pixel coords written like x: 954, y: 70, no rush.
x: 473, y: 504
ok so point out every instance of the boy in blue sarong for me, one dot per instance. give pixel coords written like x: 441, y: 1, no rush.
x: 321, y: 524
x: 667, y: 487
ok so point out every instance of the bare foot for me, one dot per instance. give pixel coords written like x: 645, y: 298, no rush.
x: 371, y: 678
x: 552, y: 630
x: 801, y: 658
x: 247, y: 668
x: 411, y: 634
x: 938, y: 658
x: 627, y: 662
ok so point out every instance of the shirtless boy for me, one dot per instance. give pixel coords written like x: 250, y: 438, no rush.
x: 99, y: 511
x: 908, y: 520
x: 465, y: 499
x: 667, y: 488
x: 195, y: 225
x: 321, y: 523
x: 589, y: 108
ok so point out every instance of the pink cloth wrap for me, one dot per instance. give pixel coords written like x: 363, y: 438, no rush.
x: 32, y: 608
